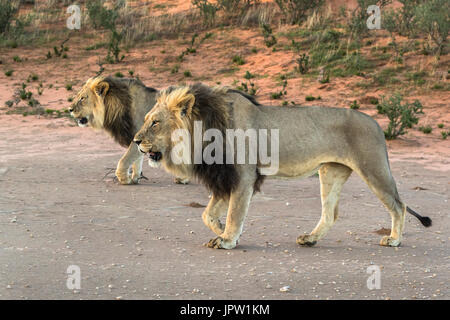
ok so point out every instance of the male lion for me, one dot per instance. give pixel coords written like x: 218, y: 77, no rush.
x: 333, y: 141
x: 118, y: 106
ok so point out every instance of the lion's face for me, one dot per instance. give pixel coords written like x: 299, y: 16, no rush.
x: 154, y: 138
x: 88, y: 107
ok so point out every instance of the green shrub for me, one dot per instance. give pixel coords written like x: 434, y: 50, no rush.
x: 445, y: 134
x: 59, y: 52
x: 237, y: 59
x: 269, y: 38
x: 401, y: 116
x: 296, y: 11
x: 207, y: 11
x: 355, y: 105
x: 189, y: 49
x: 426, y: 129
x: 433, y: 20
x: 283, y: 91
x: 385, y: 76
x: 68, y: 87
x: 100, y: 16
x: 33, y: 102
x: 303, y: 63
x: 355, y: 63
x: 325, y: 49
x: 229, y: 7
x: 187, y: 74
x: 7, y: 11
x: 417, y: 77
x: 312, y: 98
x: 40, y: 89
x: 9, y: 73
x: 390, y: 23
x: 175, y: 69
x: 32, y: 77
x: 114, y: 50
x: 373, y: 100
x: 107, y: 18
x: 248, y: 86
x: 406, y: 16
x: 25, y: 94
x: 118, y: 74
x: 438, y: 86
x: 440, y: 125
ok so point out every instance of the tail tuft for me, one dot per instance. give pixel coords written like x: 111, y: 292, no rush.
x: 426, y: 221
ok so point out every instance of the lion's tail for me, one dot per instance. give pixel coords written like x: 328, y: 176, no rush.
x: 426, y: 221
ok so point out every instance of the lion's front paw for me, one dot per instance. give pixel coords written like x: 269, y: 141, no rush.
x: 221, y: 243
x: 124, y: 177
x: 181, y: 180
x: 306, y: 240
x: 388, y: 241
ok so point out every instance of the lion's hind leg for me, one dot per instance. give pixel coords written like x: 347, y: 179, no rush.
x: 398, y: 213
x: 383, y: 185
x: 332, y: 178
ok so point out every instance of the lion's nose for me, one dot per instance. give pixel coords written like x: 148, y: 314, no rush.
x: 83, y: 120
x: 138, y: 142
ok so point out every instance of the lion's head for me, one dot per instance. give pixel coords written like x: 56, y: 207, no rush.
x: 105, y: 103
x: 173, y: 110
x: 179, y: 108
x: 88, y: 107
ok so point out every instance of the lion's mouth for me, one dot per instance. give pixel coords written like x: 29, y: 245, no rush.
x: 155, y: 156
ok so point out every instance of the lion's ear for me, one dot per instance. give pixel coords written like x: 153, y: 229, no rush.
x: 101, y: 88
x: 185, y: 105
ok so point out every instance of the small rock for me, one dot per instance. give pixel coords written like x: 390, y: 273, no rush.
x: 285, y: 289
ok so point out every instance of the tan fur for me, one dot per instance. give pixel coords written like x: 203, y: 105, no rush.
x: 333, y: 141
x: 117, y: 106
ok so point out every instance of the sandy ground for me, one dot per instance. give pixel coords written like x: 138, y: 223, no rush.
x: 145, y: 241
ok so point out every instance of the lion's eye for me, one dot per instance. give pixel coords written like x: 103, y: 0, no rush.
x: 154, y: 123
x: 82, y: 98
